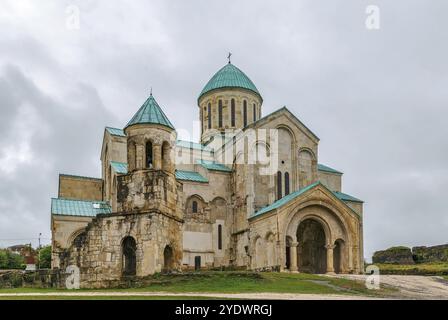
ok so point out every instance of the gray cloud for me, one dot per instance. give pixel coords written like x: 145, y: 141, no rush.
x: 377, y: 99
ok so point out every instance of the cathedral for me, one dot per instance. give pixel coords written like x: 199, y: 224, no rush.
x: 250, y: 195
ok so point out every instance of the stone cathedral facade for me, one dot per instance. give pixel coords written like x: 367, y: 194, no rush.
x: 250, y: 195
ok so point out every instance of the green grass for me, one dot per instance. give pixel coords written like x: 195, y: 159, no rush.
x: 236, y: 282
x: 415, y: 269
x: 108, y: 298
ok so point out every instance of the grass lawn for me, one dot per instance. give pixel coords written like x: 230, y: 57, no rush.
x: 415, y: 269
x: 235, y: 282
x: 107, y: 298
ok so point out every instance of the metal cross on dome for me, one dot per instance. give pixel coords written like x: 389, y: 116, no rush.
x: 228, y: 57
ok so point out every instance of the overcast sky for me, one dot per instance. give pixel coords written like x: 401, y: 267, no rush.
x: 377, y: 99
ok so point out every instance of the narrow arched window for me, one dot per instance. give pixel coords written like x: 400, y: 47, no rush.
x: 255, y: 112
x: 220, y: 113
x: 149, y: 159
x: 194, y: 208
x: 286, y: 183
x: 209, y: 116
x: 244, y: 113
x: 279, y: 185
x: 219, y: 237
x: 232, y: 112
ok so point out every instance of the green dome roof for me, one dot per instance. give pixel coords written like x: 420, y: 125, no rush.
x: 229, y: 76
x: 150, y: 112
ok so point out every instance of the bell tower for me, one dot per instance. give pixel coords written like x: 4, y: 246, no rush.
x: 150, y: 184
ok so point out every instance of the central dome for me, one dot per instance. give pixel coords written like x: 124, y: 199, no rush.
x: 229, y: 76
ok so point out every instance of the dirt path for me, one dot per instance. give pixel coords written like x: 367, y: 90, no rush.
x: 411, y: 287
x: 255, y: 296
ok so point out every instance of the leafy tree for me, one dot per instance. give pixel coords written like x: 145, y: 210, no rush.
x: 10, y: 260
x: 44, y: 256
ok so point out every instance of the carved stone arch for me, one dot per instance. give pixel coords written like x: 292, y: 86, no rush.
x: 71, y: 239
x: 291, y: 132
x: 338, y: 215
x: 201, y: 204
x: 166, y: 156
x: 309, y: 150
x: 271, y: 255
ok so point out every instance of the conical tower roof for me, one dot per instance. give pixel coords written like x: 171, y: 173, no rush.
x: 150, y: 112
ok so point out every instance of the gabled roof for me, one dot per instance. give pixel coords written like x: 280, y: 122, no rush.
x: 283, y: 109
x: 214, y: 166
x: 116, y: 132
x: 346, y: 197
x: 193, y: 145
x: 324, y: 168
x: 286, y: 199
x: 119, y: 167
x: 81, y: 208
x: 229, y: 76
x: 190, y: 176
x: 150, y: 112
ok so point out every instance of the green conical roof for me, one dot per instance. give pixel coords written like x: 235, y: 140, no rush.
x: 229, y: 76
x: 150, y: 112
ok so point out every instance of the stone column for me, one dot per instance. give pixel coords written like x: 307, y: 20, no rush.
x: 157, y: 157
x: 293, y: 256
x: 330, y: 268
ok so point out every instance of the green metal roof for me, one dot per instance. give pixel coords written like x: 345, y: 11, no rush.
x: 78, y: 177
x: 229, y: 76
x: 150, y: 112
x: 285, y: 199
x: 346, y: 197
x: 212, y: 165
x: 190, y: 176
x: 193, y: 145
x: 324, y: 168
x: 116, y: 132
x: 119, y: 167
x: 277, y: 204
x: 81, y: 208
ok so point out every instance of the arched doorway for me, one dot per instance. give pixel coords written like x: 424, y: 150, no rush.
x: 288, y: 253
x: 312, y: 253
x: 168, y: 261
x: 129, y: 257
x: 338, y: 256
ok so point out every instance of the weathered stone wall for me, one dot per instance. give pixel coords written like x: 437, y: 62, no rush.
x: 332, y: 181
x: 395, y: 255
x: 80, y: 188
x: 99, y: 253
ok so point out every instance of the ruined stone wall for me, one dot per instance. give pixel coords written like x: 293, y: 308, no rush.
x: 99, y: 253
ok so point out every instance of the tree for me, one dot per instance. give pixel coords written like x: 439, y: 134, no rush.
x: 10, y: 260
x: 44, y: 257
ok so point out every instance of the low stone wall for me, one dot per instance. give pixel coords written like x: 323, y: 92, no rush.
x: 46, y: 278
x: 404, y: 255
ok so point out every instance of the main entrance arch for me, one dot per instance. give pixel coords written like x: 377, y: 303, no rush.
x: 311, y: 250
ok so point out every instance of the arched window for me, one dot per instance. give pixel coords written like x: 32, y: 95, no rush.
x: 149, y: 159
x: 244, y: 113
x: 279, y: 185
x: 255, y: 112
x: 232, y: 112
x: 220, y: 113
x: 219, y: 237
x: 166, y: 156
x: 209, y: 116
x: 194, y: 207
x: 286, y: 183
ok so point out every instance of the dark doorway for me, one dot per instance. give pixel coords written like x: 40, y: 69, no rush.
x: 197, y: 263
x: 312, y: 251
x: 129, y: 257
x: 288, y: 257
x: 167, y: 259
